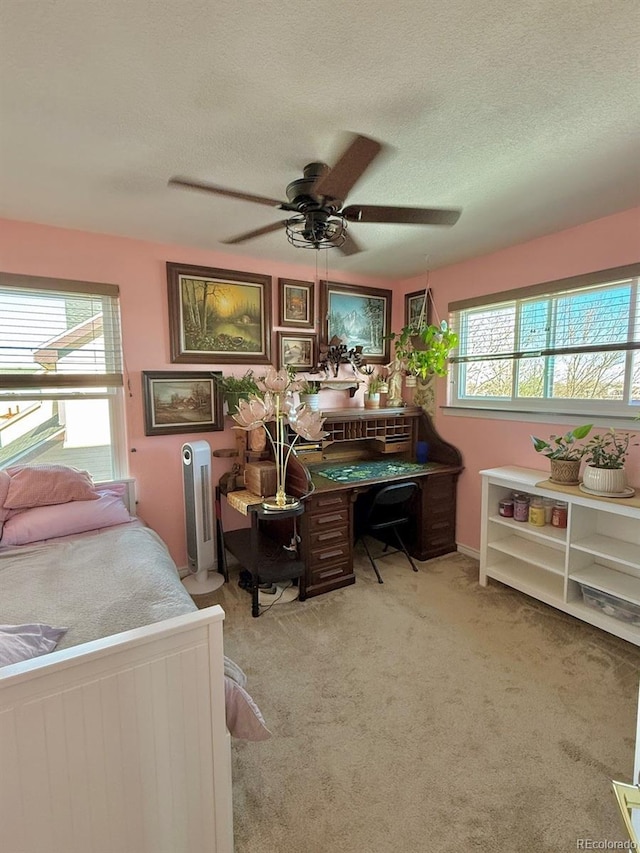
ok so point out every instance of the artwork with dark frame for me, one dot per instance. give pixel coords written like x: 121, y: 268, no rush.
x: 359, y: 316
x: 299, y: 352
x: 180, y: 401
x: 414, y: 305
x: 219, y: 316
x: 296, y: 303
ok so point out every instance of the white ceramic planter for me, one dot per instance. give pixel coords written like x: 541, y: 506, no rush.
x: 612, y: 480
x: 312, y: 401
x: 410, y: 381
x: 372, y: 401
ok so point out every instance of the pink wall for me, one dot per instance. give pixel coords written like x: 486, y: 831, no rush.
x: 487, y: 443
x: 139, y: 269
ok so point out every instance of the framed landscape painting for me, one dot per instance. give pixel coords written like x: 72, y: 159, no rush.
x: 219, y: 316
x: 296, y: 303
x: 359, y: 316
x: 417, y: 305
x: 297, y: 350
x: 176, y: 402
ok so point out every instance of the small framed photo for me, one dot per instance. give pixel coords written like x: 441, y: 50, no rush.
x: 296, y: 303
x: 298, y: 351
x: 417, y: 308
x: 180, y: 401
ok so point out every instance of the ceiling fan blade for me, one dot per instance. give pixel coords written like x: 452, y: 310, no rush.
x: 214, y: 188
x: 351, y: 165
x: 350, y: 246
x: 267, y: 229
x: 401, y: 215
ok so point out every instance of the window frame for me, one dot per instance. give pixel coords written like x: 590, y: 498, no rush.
x: 66, y: 387
x: 546, y: 406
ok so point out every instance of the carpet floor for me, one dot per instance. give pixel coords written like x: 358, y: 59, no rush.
x: 429, y: 715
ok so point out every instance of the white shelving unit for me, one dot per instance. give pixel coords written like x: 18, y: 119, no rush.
x: 599, y: 548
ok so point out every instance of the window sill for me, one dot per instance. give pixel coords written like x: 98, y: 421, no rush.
x: 572, y: 418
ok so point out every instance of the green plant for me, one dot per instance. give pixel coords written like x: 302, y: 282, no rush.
x: 425, y: 351
x: 245, y: 384
x: 310, y: 386
x: 608, y: 449
x: 564, y: 446
x: 374, y: 384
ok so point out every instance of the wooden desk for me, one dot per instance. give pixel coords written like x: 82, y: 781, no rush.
x: 327, y: 524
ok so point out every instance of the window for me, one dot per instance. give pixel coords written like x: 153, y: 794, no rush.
x: 569, y: 347
x: 61, y: 375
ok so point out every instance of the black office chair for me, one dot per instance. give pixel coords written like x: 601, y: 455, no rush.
x: 381, y: 514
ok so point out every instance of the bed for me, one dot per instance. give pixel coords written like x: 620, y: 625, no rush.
x: 117, y: 741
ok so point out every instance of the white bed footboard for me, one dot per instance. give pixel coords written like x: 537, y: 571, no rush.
x: 119, y: 745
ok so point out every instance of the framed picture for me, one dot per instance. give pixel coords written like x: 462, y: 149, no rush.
x: 360, y: 316
x: 297, y: 350
x: 177, y: 401
x: 417, y: 305
x: 296, y: 303
x: 219, y: 316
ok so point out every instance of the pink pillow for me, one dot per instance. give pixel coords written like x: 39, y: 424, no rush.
x: 46, y: 522
x: 5, y: 481
x: 43, y: 485
x: 244, y: 718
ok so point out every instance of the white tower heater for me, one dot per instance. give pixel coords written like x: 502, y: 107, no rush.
x: 199, y: 520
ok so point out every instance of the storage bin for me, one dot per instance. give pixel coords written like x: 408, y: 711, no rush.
x: 625, y: 611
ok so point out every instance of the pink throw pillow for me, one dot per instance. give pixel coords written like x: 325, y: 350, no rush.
x: 47, y: 522
x: 43, y: 485
x: 5, y: 482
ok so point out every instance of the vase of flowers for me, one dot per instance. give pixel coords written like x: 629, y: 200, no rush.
x: 275, y: 412
x: 605, y: 456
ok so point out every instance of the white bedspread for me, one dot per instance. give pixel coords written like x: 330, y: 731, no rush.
x: 95, y: 584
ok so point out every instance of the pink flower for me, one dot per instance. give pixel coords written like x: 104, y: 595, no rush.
x: 306, y: 423
x: 253, y: 412
x: 276, y: 381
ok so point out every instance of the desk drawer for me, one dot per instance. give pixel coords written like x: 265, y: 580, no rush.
x: 331, y: 553
x: 327, y: 501
x: 329, y: 519
x: 328, y: 537
x: 329, y: 573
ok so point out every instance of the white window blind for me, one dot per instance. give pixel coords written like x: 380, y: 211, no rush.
x: 61, y: 374
x: 566, y: 346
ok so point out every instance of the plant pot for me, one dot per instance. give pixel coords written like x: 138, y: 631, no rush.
x: 372, y: 401
x: 611, y: 480
x: 410, y: 381
x: 312, y: 401
x: 565, y: 472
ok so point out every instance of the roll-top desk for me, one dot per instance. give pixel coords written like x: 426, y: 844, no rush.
x: 355, y: 438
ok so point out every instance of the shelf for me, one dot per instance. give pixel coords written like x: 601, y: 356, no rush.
x: 551, y: 534
x: 546, y: 586
x: 625, y: 553
x: 628, y: 632
x: 535, y: 553
x: 610, y: 581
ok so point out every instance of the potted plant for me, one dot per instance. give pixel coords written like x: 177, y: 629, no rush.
x: 372, y: 395
x: 235, y: 388
x: 564, y: 454
x: 423, y: 351
x: 310, y: 393
x: 605, y: 455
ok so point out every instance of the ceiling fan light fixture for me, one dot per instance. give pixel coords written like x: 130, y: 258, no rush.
x: 316, y: 230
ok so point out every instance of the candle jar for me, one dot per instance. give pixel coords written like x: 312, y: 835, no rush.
x: 536, y: 512
x: 559, y: 514
x: 521, y: 508
x: 548, y: 509
x: 505, y: 508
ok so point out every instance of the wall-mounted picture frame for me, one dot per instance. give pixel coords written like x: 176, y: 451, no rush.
x: 218, y: 316
x: 359, y: 316
x: 417, y: 305
x: 179, y: 401
x: 296, y: 303
x: 297, y: 350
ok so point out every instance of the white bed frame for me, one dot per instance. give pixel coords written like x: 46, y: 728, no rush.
x: 119, y: 745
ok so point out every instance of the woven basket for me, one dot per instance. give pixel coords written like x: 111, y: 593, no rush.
x: 565, y: 472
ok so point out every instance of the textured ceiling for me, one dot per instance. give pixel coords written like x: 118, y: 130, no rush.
x: 525, y: 115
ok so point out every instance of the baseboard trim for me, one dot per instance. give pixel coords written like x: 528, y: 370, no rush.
x: 469, y: 552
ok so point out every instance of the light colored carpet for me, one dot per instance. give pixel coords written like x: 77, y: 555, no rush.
x: 428, y: 715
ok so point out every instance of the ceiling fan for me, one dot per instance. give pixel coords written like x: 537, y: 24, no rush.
x: 319, y: 220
